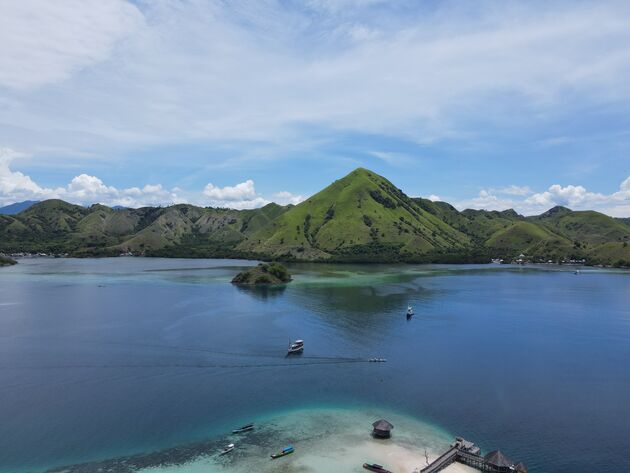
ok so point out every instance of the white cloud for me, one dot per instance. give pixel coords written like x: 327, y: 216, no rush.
x: 485, y: 200
x: 244, y: 196
x: 85, y: 189
x: 512, y: 190
x: 284, y: 198
x: 571, y: 196
x: 239, y: 196
x: 243, y: 191
x: 575, y: 197
x: 43, y: 42
x: 82, y: 189
x: 16, y: 186
x: 264, y: 70
x: 434, y: 198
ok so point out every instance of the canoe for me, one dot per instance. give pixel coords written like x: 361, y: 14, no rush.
x: 283, y: 453
x: 375, y: 467
x: 245, y: 428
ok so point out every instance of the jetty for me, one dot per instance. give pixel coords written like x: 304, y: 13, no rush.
x: 463, y: 451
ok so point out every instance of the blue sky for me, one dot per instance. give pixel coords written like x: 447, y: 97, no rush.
x: 483, y: 104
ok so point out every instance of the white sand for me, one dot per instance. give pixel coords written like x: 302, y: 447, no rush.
x: 336, y: 440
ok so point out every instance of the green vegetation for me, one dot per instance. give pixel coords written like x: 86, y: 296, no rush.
x: 264, y: 273
x: 360, y: 218
x: 6, y: 261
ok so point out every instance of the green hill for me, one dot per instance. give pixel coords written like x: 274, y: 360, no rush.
x: 361, y: 217
x: 58, y: 227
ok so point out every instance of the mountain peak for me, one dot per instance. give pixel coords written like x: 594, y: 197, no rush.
x: 556, y: 211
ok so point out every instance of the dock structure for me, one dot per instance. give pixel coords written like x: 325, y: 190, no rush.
x: 468, y: 453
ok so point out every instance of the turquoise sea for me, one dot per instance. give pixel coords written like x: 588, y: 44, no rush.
x: 108, y: 359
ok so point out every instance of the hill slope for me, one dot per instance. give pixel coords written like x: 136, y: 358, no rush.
x: 361, y: 217
x: 54, y: 226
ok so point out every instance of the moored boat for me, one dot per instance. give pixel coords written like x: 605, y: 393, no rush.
x: 285, y: 451
x: 245, y: 428
x: 227, y: 449
x: 375, y: 467
x: 409, y: 312
x: 296, y: 347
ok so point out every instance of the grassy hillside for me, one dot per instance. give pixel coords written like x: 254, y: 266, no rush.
x: 361, y: 215
x: 529, y: 239
x: 584, y: 226
x: 57, y: 227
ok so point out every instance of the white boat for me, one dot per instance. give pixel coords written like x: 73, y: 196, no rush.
x: 227, y: 449
x: 296, y: 347
x: 409, y: 312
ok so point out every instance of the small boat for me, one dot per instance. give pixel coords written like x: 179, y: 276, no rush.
x: 245, y: 428
x: 409, y: 312
x: 285, y: 451
x: 227, y: 449
x: 577, y: 271
x: 377, y: 360
x: 296, y: 347
x: 375, y: 467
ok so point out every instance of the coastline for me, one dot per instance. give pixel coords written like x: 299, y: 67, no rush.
x: 325, y: 439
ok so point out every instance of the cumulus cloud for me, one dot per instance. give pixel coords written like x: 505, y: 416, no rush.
x: 86, y: 189
x: 434, y: 198
x: 239, y: 196
x: 284, y: 198
x: 244, y: 196
x: 575, y: 197
x: 82, y: 189
x: 243, y: 191
x: 486, y: 200
x: 571, y: 196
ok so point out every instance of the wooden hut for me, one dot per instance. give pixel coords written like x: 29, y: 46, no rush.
x: 498, y: 462
x: 382, y: 429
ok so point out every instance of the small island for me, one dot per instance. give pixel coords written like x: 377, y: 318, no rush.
x: 263, y: 274
x: 6, y: 261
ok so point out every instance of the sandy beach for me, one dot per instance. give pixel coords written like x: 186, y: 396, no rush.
x: 326, y: 440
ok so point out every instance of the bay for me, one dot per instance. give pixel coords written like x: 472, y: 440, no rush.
x: 103, y: 358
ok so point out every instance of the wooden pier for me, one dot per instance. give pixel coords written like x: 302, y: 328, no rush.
x: 468, y: 453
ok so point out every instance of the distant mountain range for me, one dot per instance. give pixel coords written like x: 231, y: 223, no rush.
x: 362, y: 217
x: 16, y: 208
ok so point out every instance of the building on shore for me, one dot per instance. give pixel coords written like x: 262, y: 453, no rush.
x: 382, y: 429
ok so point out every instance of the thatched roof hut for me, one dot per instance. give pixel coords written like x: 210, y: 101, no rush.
x: 382, y: 429
x: 499, y: 462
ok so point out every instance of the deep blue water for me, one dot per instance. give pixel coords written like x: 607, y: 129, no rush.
x: 103, y: 358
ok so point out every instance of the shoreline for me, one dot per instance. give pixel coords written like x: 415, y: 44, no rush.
x: 325, y: 439
x: 18, y: 256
